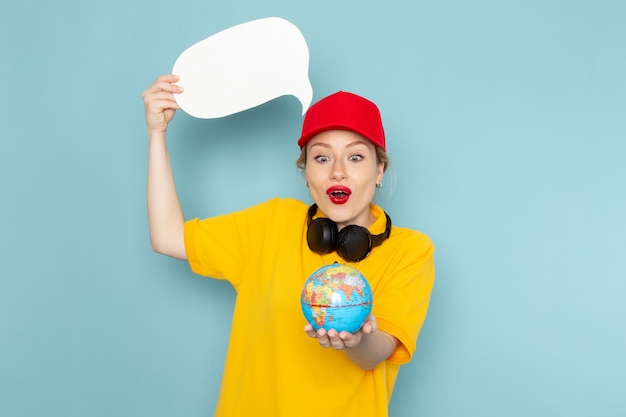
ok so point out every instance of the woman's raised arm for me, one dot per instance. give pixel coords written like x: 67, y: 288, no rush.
x: 165, y: 214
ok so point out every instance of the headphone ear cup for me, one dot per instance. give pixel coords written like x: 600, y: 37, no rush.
x: 322, y: 235
x: 354, y: 243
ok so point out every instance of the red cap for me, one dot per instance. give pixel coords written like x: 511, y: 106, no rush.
x: 344, y: 111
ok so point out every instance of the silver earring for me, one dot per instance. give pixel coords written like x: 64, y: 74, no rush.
x: 379, y: 184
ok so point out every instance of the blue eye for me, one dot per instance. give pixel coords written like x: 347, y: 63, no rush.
x: 356, y: 158
x: 321, y: 158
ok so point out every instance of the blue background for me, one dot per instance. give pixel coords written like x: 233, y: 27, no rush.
x: 506, y: 123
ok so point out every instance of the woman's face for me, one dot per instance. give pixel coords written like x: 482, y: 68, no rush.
x: 342, y: 172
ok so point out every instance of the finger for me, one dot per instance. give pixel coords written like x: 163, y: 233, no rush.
x: 171, y: 88
x: 157, y: 106
x: 164, y: 83
x: 167, y: 78
x: 310, y: 331
x: 158, y: 94
x: 163, y: 99
x: 367, y: 328
x: 322, y: 338
x: 350, y: 340
x: 370, y: 325
x: 335, y: 341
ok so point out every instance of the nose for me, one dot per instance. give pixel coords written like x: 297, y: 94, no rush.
x: 338, y: 172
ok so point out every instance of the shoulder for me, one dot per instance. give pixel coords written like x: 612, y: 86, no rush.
x: 411, y: 235
x: 283, y: 210
x: 288, y: 203
x: 278, y: 208
x: 409, y: 241
x: 275, y: 204
x: 284, y: 205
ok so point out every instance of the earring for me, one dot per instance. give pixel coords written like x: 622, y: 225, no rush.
x: 306, y: 183
x: 379, y: 184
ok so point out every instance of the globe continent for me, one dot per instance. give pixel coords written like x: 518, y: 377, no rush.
x: 336, y: 296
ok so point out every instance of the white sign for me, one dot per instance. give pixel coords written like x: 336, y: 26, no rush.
x: 243, y: 67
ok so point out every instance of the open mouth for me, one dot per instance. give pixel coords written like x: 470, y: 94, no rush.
x: 338, y: 195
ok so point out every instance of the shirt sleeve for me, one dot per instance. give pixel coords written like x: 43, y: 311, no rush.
x: 404, y: 296
x: 219, y: 246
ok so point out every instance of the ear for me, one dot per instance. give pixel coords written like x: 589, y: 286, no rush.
x: 380, y: 172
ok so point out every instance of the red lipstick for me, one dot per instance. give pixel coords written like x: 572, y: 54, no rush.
x: 338, y: 194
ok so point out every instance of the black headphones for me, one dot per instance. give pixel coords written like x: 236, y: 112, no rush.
x: 353, y: 243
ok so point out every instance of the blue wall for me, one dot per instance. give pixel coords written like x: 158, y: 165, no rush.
x: 506, y: 123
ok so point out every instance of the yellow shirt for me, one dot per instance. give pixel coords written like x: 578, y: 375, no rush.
x: 272, y: 367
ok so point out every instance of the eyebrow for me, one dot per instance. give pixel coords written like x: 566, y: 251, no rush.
x: 351, y: 144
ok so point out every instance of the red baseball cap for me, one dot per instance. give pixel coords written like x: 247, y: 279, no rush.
x: 344, y: 111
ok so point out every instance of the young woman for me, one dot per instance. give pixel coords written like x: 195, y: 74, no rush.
x: 277, y: 364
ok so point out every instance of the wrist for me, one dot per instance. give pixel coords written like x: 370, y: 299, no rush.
x: 156, y: 135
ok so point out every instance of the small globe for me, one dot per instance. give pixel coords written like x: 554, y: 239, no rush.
x: 336, y: 297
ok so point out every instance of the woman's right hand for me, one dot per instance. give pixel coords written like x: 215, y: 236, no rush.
x: 160, y: 104
x: 165, y: 215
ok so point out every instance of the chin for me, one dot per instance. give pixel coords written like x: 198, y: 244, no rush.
x: 339, y: 214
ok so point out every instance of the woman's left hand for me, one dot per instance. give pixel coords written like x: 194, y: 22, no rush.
x: 342, y: 340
